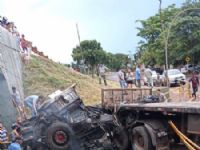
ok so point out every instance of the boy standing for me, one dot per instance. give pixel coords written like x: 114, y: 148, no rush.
x: 195, y: 84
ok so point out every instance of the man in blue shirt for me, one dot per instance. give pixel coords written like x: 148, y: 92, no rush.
x: 16, y: 145
x: 138, y: 76
x: 32, y: 102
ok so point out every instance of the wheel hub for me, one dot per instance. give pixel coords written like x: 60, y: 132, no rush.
x: 60, y: 137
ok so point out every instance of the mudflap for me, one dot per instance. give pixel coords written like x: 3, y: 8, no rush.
x: 158, y: 133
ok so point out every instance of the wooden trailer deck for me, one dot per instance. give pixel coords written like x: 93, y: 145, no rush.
x: 132, y: 98
x: 184, y: 107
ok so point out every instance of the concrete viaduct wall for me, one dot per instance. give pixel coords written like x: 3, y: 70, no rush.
x: 10, y: 75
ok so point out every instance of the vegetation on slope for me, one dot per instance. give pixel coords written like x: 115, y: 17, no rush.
x: 42, y: 77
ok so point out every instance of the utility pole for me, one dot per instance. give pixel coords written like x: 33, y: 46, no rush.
x: 78, y: 34
x: 161, y: 22
x: 79, y: 39
x: 166, y: 52
x: 160, y: 11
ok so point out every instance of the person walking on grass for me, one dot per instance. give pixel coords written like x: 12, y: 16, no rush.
x: 195, y: 83
x: 101, y: 71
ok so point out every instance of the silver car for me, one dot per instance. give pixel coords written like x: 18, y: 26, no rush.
x: 174, y: 75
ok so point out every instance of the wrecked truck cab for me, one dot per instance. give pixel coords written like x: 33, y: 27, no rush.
x: 65, y: 123
x: 53, y: 127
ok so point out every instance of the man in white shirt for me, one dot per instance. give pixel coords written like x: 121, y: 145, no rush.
x: 148, y: 75
x: 102, y: 71
x: 121, y: 77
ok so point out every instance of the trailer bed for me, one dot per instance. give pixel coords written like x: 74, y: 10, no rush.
x: 184, y: 107
x: 133, y: 99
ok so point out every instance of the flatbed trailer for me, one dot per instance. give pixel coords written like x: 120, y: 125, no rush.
x: 148, y: 124
x: 170, y: 107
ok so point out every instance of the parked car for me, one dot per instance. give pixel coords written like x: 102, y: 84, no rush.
x: 197, y: 68
x: 183, y: 70
x: 174, y: 76
x: 190, y: 67
x: 158, y: 70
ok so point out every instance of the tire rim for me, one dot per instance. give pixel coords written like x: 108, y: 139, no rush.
x: 138, y: 141
x: 61, y: 137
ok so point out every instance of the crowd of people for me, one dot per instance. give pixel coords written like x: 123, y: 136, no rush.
x: 25, y: 46
x: 127, y: 78
x: 11, y: 27
x: 14, y: 138
x: 32, y: 102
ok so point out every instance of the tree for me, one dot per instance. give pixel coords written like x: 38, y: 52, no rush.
x: 184, y: 39
x: 90, y: 52
x: 152, y: 46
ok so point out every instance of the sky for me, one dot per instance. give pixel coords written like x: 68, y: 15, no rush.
x: 51, y: 24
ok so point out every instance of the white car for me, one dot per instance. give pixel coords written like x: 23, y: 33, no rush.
x: 174, y: 76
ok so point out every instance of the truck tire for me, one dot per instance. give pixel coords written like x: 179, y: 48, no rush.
x: 59, y: 136
x: 34, y: 146
x: 141, y: 139
x: 121, y: 138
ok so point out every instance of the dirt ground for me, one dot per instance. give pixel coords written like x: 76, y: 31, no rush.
x: 176, y: 93
x: 183, y: 93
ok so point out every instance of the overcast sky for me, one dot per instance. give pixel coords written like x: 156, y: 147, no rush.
x: 51, y: 24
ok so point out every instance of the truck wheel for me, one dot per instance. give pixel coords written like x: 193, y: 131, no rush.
x: 59, y: 136
x: 141, y: 139
x: 121, y: 138
x: 41, y: 147
x: 35, y: 147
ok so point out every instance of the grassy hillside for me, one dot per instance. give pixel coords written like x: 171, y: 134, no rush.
x: 42, y: 76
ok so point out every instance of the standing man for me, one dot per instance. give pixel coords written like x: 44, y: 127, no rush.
x: 195, y: 84
x: 33, y: 102
x: 148, y: 75
x: 121, y: 77
x: 102, y: 71
x: 138, y: 76
x: 17, y: 102
x: 24, y: 44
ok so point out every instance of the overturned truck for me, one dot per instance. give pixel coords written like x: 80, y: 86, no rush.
x: 65, y: 123
x: 123, y: 122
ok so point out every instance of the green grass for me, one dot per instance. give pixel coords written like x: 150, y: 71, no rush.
x: 42, y: 77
